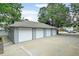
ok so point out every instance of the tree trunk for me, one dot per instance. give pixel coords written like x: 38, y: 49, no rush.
x: 1, y: 46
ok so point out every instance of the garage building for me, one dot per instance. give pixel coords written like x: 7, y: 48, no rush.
x: 28, y: 30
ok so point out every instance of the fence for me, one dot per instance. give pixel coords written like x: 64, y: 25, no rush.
x: 3, y: 33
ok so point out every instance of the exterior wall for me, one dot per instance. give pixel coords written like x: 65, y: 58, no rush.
x: 44, y: 31
x: 54, y: 32
x: 3, y: 33
x: 25, y: 34
x: 11, y: 34
x: 16, y: 35
x: 48, y: 32
x: 39, y: 33
x: 33, y: 33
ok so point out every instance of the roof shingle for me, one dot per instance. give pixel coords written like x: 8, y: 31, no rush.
x: 30, y: 24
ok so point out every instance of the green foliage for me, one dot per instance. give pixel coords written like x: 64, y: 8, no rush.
x: 75, y: 7
x: 77, y: 28
x: 75, y: 11
x: 56, y: 11
x: 10, y: 12
x: 67, y: 24
x: 43, y: 16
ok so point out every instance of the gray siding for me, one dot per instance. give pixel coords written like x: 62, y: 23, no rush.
x: 33, y: 33
x: 3, y: 33
x: 54, y: 32
x: 44, y: 32
x: 11, y: 34
x: 51, y: 32
x: 16, y: 35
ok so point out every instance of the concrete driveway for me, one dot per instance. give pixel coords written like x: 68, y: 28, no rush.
x: 60, y: 45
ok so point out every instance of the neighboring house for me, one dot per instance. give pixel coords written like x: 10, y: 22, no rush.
x: 3, y: 32
x: 68, y: 29
x: 28, y: 30
x: 74, y: 18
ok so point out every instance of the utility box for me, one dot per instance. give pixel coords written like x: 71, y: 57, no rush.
x: 1, y: 45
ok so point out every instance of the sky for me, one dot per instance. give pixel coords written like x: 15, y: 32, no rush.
x: 30, y: 10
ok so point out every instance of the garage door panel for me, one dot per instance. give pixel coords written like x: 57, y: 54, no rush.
x: 54, y: 32
x: 39, y: 33
x: 25, y: 34
x: 48, y: 32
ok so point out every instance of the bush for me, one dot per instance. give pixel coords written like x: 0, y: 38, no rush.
x: 77, y: 28
x: 61, y: 29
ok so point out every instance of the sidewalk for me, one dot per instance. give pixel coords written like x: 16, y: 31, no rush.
x: 66, y: 33
x: 14, y: 50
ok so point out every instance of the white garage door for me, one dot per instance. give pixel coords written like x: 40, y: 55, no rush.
x: 39, y: 33
x: 25, y: 34
x: 48, y: 32
x: 54, y: 32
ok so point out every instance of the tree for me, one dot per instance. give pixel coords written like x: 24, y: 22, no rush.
x: 10, y: 12
x: 75, y: 11
x: 43, y: 16
x: 57, y: 12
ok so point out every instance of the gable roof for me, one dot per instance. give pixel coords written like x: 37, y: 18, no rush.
x: 30, y: 24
